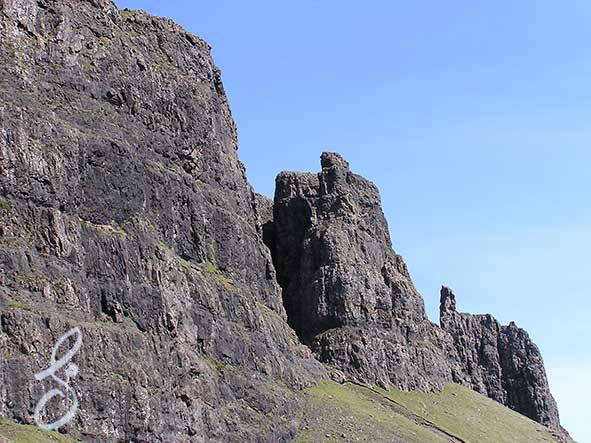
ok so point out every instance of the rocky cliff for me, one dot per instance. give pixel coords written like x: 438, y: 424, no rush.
x: 346, y: 292
x: 350, y: 297
x: 125, y: 211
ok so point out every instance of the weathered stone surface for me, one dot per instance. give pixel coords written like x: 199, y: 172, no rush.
x: 124, y: 210
x: 500, y: 361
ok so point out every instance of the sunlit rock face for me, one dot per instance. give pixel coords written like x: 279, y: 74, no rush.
x: 124, y: 210
x: 346, y: 292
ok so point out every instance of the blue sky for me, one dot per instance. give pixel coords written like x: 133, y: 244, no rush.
x: 472, y: 117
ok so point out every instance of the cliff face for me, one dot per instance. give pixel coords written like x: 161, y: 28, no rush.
x: 125, y: 211
x: 351, y: 298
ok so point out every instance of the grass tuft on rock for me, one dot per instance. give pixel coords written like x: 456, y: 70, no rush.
x: 212, y: 269
x: 14, y: 433
x: 6, y: 205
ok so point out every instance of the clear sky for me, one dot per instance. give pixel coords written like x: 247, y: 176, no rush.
x: 472, y: 117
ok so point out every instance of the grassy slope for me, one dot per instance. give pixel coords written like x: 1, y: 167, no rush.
x: 355, y: 413
x: 350, y: 413
x: 13, y: 433
x: 472, y: 416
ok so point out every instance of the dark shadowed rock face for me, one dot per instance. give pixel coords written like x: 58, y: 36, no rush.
x: 500, y: 361
x: 124, y: 210
x: 346, y: 292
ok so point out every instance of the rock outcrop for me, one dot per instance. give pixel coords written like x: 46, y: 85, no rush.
x: 350, y: 297
x: 124, y: 210
x: 500, y: 361
x: 346, y: 293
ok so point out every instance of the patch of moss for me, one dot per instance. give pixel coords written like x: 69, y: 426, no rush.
x: 220, y: 366
x: 6, y: 205
x: 161, y: 167
x: 111, y: 230
x: 15, y: 304
x: 15, y: 433
x: 31, y: 281
x: 214, y: 363
x: 128, y: 13
x: 120, y: 378
x: 187, y: 265
x: 212, y: 269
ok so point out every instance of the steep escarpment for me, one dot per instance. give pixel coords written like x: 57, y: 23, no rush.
x: 350, y: 297
x: 125, y: 211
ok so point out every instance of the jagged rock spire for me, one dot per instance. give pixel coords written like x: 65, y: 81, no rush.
x: 333, y: 160
x: 447, y: 301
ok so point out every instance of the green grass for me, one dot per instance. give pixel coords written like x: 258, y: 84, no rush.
x: 14, y: 433
x: 15, y: 304
x: 161, y: 167
x: 212, y: 269
x: 335, y: 410
x: 472, y: 416
x: 187, y: 265
x: 128, y: 13
x: 220, y: 366
x: 455, y: 414
x: 120, y: 378
x: 214, y: 363
x: 111, y: 230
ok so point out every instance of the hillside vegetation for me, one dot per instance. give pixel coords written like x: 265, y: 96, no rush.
x: 13, y: 433
x: 353, y: 412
